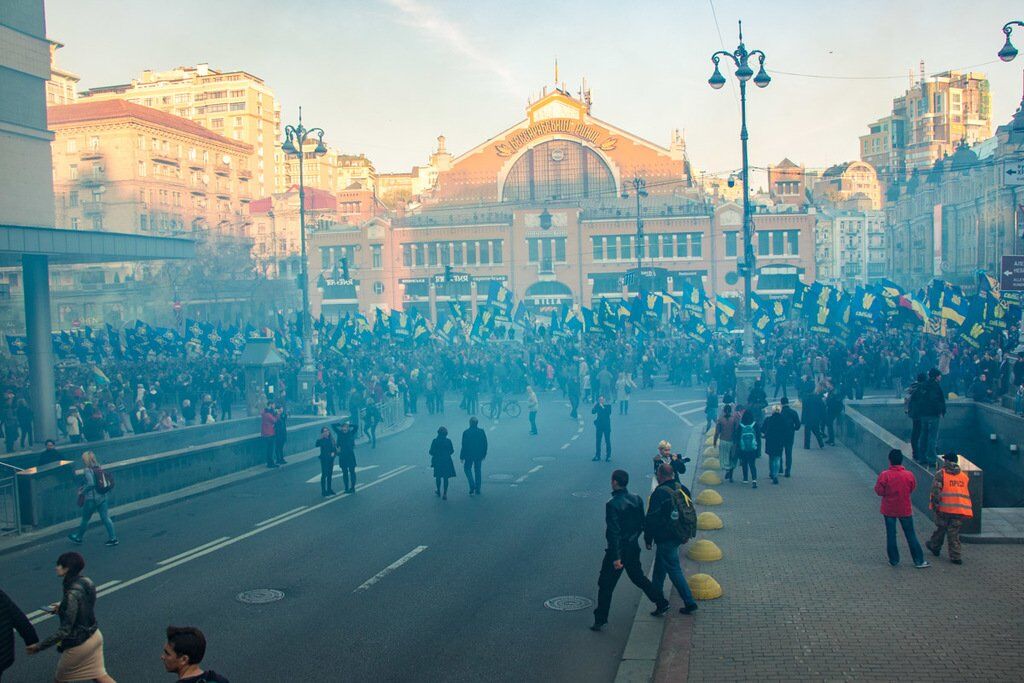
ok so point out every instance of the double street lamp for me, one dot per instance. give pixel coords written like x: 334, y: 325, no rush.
x: 741, y: 58
x: 294, y: 144
x: 639, y: 191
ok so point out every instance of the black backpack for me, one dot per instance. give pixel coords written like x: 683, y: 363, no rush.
x: 104, y: 482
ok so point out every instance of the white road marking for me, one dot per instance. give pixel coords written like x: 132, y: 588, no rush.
x: 337, y: 470
x: 102, y: 590
x: 574, y: 437
x: 564, y: 446
x: 667, y: 407
x: 390, y: 568
x: 535, y: 469
x: 692, y: 411
x: 231, y: 541
x: 193, y: 550
x: 493, y: 427
x: 283, y: 514
x: 684, y: 403
x: 381, y: 476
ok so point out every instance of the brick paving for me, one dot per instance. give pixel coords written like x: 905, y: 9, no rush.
x: 809, y: 594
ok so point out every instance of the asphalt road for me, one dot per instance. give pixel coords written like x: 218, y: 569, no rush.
x: 389, y: 584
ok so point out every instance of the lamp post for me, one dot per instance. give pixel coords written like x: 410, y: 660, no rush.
x: 748, y: 366
x: 294, y: 143
x: 640, y: 191
x: 1008, y: 51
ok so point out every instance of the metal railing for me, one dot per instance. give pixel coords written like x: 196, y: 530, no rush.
x: 10, y: 507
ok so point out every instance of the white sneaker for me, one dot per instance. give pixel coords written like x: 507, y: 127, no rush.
x: 923, y: 565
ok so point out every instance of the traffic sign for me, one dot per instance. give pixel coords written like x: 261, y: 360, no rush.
x: 1013, y: 172
x: 176, y: 305
x: 1011, y: 275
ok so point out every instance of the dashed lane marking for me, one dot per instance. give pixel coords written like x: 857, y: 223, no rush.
x: 241, y: 537
x: 574, y: 437
x: 564, y: 446
x: 193, y: 550
x: 283, y: 514
x: 682, y: 417
x: 535, y: 469
x: 337, y: 470
x: 369, y: 583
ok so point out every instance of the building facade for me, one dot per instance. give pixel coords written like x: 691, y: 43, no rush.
x: 233, y: 104
x: 62, y: 87
x: 849, y: 180
x: 927, y: 123
x: 851, y: 244
x: 960, y: 215
x: 539, y: 209
x: 128, y: 168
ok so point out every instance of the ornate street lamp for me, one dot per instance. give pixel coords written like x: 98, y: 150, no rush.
x: 294, y: 144
x: 1008, y: 51
x: 748, y: 365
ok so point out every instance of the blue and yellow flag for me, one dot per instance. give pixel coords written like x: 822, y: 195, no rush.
x: 501, y: 298
x: 725, y: 311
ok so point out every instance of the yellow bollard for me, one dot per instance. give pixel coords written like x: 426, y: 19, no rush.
x: 710, y: 479
x: 704, y: 551
x: 710, y: 440
x: 704, y: 587
x: 709, y: 521
x: 712, y: 464
x: 709, y: 497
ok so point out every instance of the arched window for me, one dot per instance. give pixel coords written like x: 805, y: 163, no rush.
x: 558, y: 170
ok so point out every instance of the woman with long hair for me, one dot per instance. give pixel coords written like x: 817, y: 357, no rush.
x: 93, y: 500
x: 441, y: 450
x: 78, y: 638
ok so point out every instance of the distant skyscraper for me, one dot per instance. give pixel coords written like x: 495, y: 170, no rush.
x: 928, y: 122
x: 234, y: 104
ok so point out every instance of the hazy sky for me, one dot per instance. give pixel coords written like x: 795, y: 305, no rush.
x: 385, y: 77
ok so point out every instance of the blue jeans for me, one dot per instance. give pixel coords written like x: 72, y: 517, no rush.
x: 471, y: 467
x: 775, y: 465
x: 908, y: 531
x: 88, y: 509
x: 928, y: 439
x: 666, y: 562
x: 533, y: 421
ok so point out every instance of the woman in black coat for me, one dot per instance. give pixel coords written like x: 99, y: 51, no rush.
x: 749, y: 430
x: 347, y: 455
x: 327, y: 450
x: 441, y: 450
x: 778, y: 431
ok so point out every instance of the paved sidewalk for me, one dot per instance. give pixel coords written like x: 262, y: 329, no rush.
x: 809, y: 594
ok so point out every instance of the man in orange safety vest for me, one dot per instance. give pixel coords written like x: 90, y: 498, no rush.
x: 951, y: 502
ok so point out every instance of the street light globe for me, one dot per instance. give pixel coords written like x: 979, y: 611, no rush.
x: 1008, y: 52
x: 762, y: 79
x: 717, y: 80
x: 321, y: 148
x: 744, y: 72
x: 288, y: 147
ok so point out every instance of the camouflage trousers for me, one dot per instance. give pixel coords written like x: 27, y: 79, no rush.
x: 946, y: 524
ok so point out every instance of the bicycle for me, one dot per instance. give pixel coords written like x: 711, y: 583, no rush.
x: 509, y: 406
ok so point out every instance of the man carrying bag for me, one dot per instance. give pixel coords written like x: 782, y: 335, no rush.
x: 671, y: 522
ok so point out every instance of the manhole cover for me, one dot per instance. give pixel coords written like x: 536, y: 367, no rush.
x: 260, y: 596
x: 544, y: 458
x: 500, y: 477
x: 569, y: 603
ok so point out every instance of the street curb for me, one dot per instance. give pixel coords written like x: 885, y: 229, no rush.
x: 643, y: 647
x: 129, y: 510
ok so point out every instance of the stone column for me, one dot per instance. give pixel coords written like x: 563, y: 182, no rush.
x: 38, y: 327
x: 432, y: 295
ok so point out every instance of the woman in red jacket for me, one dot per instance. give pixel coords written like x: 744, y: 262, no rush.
x: 895, y: 485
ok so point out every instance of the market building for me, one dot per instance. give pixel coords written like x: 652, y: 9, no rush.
x: 548, y: 209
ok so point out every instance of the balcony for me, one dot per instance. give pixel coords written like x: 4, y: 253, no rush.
x: 92, y: 208
x: 244, y: 174
x: 93, y: 179
x: 196, y: 164
x: 222, y: 169
x: 165, y: 158
x: 91, y: 153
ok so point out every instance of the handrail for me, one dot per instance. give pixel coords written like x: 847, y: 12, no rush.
x: 16, y: 469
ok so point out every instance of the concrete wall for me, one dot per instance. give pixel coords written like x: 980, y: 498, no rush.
x: 966, y: 429
x: 48, y: 494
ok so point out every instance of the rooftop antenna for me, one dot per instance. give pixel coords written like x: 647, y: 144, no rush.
x: 556, y: 72
x: 922, y: 71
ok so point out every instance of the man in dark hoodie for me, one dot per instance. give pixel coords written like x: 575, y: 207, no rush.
x: 932, y: 408
x: 184, y: 650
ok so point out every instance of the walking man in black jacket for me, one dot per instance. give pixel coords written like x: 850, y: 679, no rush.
x: 658, y: 529
x: 624, y: 522
x: 787, y: 445
x: 12, y: 619
x: 472, y: 454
